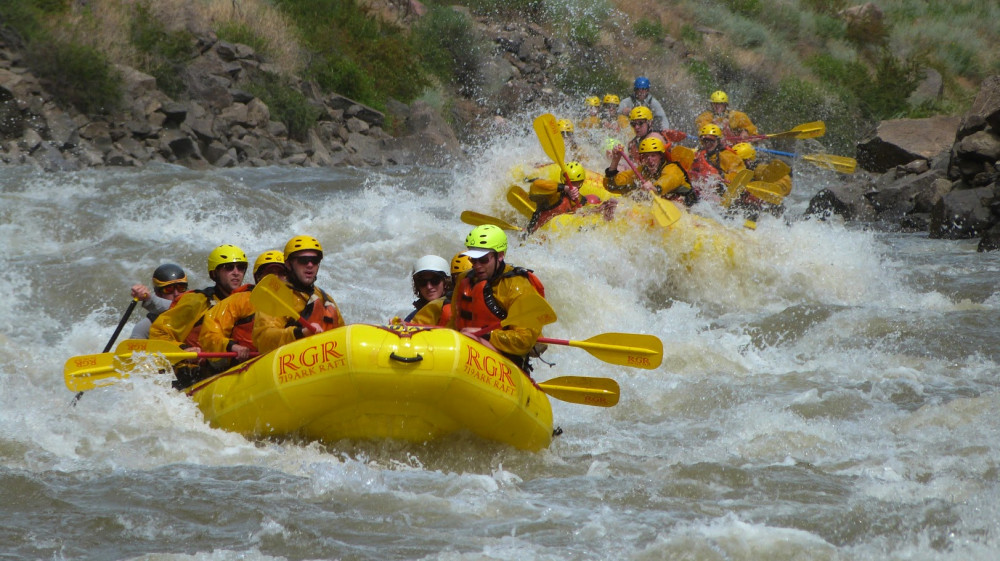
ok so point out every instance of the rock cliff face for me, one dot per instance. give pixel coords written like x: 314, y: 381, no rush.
x: 940, y: 175
x: 220, y: 125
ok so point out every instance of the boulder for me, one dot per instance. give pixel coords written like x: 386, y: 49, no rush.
x: 962, y: 214
x: 985, y: 109
x: 900, y: 141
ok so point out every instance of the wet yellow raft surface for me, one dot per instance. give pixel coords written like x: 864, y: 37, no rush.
x: 364, y: 382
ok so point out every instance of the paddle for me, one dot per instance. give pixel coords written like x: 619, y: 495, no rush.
x: 86, y: 372
x: 814, y: 129
x: 521, y: 201
x: 736, y: 187
x: 767, y: 192
x: 774, y: 171
x: 600, y: 392
x: 840, y: 164
x: 477, y: 219
x: 551, y: 140
x: 626, y: 349
x: 664, y: 212
x: 111, y: 341
x: 274, y: 297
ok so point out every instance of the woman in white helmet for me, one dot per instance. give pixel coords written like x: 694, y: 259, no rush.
x: 431, y: 278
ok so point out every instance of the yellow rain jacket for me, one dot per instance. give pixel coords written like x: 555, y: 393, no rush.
x: 271, y: 332
x: 671, y: 178
x: 732, y: 122
x: 219, y: 330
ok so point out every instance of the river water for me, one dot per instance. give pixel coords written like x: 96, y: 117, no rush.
x: 827, y: 392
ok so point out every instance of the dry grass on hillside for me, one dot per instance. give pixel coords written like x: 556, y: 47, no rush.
x: 105, y: 24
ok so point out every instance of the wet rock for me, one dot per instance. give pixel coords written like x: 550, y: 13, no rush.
x: 962, y: 214
x: 901, y: 141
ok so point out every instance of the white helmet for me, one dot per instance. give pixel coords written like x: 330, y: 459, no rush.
x: 432, y: 263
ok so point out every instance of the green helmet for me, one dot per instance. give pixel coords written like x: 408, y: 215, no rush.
x: 487, y: 236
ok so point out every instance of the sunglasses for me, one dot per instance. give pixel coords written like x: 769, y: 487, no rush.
x: 170, y: 289
x: 431, y: 281
x: 308, y: 260
x: 228, y: 267
x: 637, y: 123
x: 481, y: 260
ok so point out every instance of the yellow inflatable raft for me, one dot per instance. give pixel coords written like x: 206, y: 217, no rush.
x: 377, y: 382
x: 592, y: 185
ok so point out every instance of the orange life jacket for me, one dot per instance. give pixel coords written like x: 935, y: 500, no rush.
x: 317, y: 311
x: 477, y: 306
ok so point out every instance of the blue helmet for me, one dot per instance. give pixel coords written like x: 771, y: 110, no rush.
x: 641, y: 83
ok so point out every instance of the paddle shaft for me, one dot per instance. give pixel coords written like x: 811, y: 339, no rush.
x: 111, y: 341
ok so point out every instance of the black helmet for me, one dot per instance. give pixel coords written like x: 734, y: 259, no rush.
x: 168, y: 273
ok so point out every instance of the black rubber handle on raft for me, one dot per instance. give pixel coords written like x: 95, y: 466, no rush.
x: 406, y: 359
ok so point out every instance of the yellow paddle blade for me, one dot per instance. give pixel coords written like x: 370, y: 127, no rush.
x: 840, y: 164
x: 665, y: 212
x: 626, y: 349
x: 86, y: 372
x: 530, y: 310
x: 274, y: 298
x: 774, y: 171
x: 476, y: 219
x: 519, y: 199
x: 599, y: 392
x: 767, y: 192
x: 551, y: 139
x: 736, y: 187
x: 814, y: 129
x: 683, y: 156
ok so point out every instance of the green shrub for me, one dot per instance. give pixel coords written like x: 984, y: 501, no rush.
x: 749, y: 8
x: 150, y: 37
x: 236, y: 32
x: 649, y: 29
x: 691, y: 36
x: 355, y: 54
x: 449, y: 46
x: 586, y: 73
x: 75, y: 74
x: 286, y: 103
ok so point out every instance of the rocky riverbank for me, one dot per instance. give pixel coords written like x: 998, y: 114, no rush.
x: 940, y: 175
x: 222, y: 125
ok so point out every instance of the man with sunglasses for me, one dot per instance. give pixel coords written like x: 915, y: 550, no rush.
x: 227, y: 264
x: 303, y: 255
x: 485, y: 293
x: 228, y: 326
x: 169, y: 282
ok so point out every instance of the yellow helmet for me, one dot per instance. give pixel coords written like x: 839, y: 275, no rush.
x: 565, y: 125
x: 593, y: 101
x: 225, y: 254
x: 460, y: 263
x: 711, y: 129
x: 640, y: 112
x: 302, y: 243
x: 652, y: 145
x: 268, y: 257
x: 575, y: 172
x: 612, y: 99
x: 719, y: 97
x: 745, y: 151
